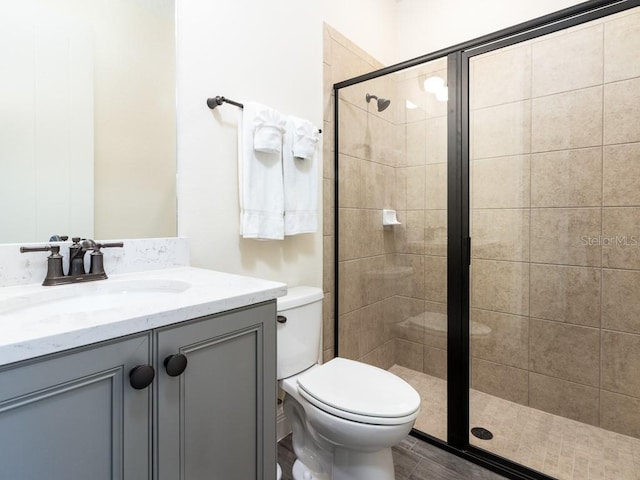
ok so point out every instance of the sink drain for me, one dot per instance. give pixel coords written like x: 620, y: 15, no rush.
x: 481, y: 433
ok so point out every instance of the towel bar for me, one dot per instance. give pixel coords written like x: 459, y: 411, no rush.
x: 219, y: 100
x: 214, y: 102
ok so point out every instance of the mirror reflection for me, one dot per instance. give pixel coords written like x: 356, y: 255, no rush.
x: 87, y: 119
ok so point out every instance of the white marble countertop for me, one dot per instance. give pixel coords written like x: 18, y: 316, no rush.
x: 100, y: 310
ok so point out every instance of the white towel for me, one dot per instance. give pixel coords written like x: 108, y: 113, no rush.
x: 300, y: 187
x: 260, y: 183
x: 269, y: 128
x: 305, y: 138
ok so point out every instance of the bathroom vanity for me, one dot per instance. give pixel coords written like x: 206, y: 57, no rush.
x: 103, y: 391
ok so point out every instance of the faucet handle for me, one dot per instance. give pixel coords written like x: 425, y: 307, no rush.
x: 97, y: 265
x: 54, y: 249
x: 54, y: 262
x: 89, y: 244
x: 44, y: 248
x: 110, y: 245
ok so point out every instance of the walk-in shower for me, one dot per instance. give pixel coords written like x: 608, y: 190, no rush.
x: 508, y: 294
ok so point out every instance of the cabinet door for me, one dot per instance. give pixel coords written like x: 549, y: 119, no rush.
x: 74, y: 416
x: 216, y: 421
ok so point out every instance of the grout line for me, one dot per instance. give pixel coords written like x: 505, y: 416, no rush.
x: 529, y: 366
x: 544, y: 152
x: 601, y: 270
x: 413, y: 469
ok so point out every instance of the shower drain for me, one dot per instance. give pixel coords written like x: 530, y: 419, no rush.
x: 481, y: 433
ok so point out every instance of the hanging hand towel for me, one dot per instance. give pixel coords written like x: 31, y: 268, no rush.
x: 260, y: 183
x: 269, y: 127
x: 300, y: 186
x: 305, y: 138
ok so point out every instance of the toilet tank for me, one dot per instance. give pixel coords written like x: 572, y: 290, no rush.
x: 299, y: 336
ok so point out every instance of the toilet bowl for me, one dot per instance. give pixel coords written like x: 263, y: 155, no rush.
x: 345, y: 415
x: 346, y: 432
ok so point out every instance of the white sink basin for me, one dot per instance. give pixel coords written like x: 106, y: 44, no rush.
x: 91, y: 297
x: 37, y: 320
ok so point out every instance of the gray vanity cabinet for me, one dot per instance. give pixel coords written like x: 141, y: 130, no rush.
x: 216, y: 420
x: 74, y: 415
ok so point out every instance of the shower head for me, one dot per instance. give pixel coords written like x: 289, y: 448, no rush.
x: 383, y: 103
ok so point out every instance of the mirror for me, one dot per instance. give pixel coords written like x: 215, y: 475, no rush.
x: 87, y: 119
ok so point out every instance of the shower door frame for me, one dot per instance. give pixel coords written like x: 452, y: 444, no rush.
x: 458, y: 210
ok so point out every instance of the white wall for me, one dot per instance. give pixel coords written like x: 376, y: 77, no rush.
x: 370, y: 24
x: 268, y: 52
x: 271, y: 52
x: 424, y: 26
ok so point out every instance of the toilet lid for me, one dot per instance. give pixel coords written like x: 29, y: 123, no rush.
x: 360, y: 389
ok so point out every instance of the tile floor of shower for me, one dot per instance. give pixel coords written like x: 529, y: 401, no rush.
x: 557, y: 446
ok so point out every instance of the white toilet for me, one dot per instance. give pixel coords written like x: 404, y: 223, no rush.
x: 345, y: 415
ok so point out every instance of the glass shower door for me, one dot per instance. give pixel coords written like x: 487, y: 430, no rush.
x: 555, y: 264
x: 392, y: 301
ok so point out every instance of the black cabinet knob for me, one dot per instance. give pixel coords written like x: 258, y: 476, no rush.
x: 175, y: 364
x: 281, y: 319
x: 141, y: 376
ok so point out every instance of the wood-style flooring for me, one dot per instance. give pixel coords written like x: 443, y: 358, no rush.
x: 413, y: 460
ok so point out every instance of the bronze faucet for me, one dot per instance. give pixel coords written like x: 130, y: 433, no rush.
x: 55, y: 273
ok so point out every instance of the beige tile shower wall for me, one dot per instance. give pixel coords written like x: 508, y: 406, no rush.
x: 555, y: 223
x: 369, y: 149
x: 392, y: 280
x: 419, y: 321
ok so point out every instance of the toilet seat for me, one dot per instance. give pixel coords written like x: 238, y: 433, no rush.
x: 359, y: 392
